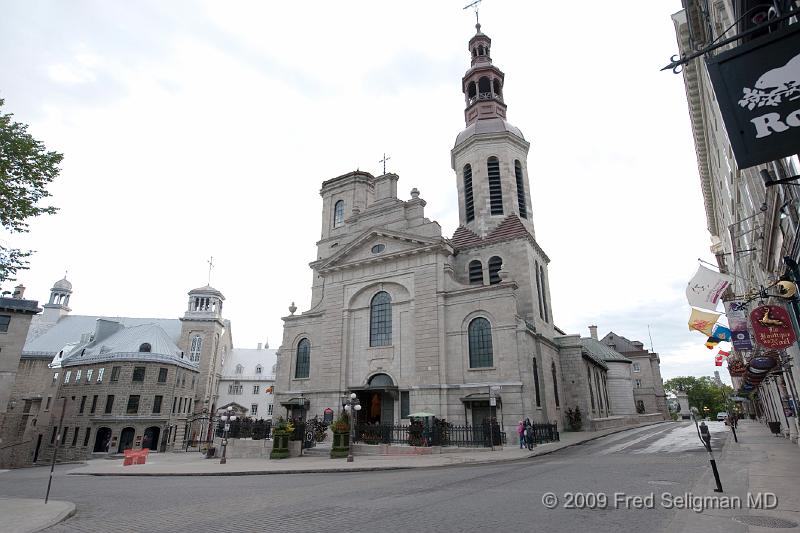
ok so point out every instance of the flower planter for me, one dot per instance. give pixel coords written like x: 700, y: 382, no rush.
x: 341, y: 444
x: 280, y: 446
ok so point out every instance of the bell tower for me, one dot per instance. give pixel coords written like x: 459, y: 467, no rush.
x: 490, y: 155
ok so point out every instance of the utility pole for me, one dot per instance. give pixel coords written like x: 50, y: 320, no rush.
x: 55, y: 451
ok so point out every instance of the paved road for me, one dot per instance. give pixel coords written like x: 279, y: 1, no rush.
x: 497, y: 497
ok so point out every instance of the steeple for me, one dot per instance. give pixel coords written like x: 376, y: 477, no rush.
x: 490, y: 155
x: 482, y: 85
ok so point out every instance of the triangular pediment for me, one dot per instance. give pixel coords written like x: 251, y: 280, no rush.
x: 378, y: 244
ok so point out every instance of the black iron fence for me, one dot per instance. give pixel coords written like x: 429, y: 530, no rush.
x: 442, y: 433
x: 246, y: 428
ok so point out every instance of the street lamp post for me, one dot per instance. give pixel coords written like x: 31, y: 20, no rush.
x: 705, y: 439
x: 227, y: 418
x: 352, y: 406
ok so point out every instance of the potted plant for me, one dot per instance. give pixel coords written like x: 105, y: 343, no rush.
x: 341, y: 436
x: 280, y: 439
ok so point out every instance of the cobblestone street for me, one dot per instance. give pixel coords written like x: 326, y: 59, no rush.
x: 497, y: 497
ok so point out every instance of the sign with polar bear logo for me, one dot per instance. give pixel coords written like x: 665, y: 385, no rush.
x: 757, y: 86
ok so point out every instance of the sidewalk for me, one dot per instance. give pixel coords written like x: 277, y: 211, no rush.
x: 194, y: 464
x: 22, y: 515
x: 759, y: 464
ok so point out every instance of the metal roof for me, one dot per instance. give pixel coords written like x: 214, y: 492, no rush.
x: 488, y: 125
x: 599, y: 351
x: 70, y: 328
x: 125, y: 344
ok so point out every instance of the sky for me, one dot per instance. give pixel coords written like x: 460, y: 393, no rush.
x: 199, y: 129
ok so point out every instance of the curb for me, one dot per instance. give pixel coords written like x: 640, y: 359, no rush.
x: 361, y: 469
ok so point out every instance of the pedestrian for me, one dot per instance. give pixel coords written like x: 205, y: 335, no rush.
x: 521, y: 433
x: 529, y: 434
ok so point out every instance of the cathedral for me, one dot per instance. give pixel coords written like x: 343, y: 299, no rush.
x: 460, y: 327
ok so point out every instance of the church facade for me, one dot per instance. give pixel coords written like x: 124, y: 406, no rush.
x: 414, y: 321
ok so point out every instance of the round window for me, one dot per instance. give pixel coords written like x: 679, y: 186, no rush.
x: 378, y: 248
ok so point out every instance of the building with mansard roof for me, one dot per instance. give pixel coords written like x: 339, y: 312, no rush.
x: 129, y: 382
x: 411, y: 320
x: 248, y: 380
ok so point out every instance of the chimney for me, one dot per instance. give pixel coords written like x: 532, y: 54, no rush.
x: 19, y: 290
x: 593, y: 332
x: 259, y: 345
x: 104, y: 328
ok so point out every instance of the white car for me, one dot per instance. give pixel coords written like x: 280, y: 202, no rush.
x: 721, y: 416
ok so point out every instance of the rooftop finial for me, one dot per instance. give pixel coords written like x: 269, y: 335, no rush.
x: 210, y: 266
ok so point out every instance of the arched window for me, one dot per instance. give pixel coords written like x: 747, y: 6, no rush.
x: 197, y: 346
x: 480, y: 50
x: 258, y: 369
x: 495, y: 264
x: 381, y: 380
x: 539, y: 289
x: 523, y: 208
x: 536, y: 382
x: 495, y: 190
x: 555, y: 382
x: 498, y: 90
x: 145, y: 347
x: 475, y: 273
x: 472, y: 91
x: 380, y: 320
x: 303, y: 362
x: 480, y: 343
x: 239, y: 369
x: 469, y: 204
x: 484, y: 88
x: 544, y: 293
x: 338, y: 213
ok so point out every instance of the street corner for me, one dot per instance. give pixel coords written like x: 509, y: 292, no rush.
x: 27, y: 515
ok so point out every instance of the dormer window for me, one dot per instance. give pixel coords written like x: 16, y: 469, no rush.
x: 239, y: 369
x: 258, y: 369
x: 144, y: 347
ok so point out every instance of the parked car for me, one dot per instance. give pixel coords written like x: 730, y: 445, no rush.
x: 721, y: 416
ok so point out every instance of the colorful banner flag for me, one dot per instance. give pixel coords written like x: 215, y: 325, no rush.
x: 706, y: 287
x: 718, y: 360
x: 712, y: 342
x: 702, y: 321
x: 722, y: 333
x: 723, y: 353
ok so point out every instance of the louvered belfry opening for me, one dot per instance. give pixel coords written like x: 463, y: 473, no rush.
x: 469, y: 204
x: 475, y: 273
x: 523, y: 209
x: 495, y: 264
x: 495, y: 190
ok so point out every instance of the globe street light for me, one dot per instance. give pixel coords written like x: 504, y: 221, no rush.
x: 226, y: 417
x: 352, y: 406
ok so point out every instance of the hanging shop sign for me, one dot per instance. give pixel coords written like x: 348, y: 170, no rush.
x: 772, y: 327
x: 757, y: 86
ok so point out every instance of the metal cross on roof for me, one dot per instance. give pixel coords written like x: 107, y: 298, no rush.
x: 475, y: 5
x: 210, y: 266
x: 384, y: 160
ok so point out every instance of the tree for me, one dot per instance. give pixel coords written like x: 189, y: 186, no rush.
x: 26, y: 168
x: 702, y: 392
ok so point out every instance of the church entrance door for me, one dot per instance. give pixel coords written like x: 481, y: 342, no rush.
x: 377, y: 401
x: 480, y: 412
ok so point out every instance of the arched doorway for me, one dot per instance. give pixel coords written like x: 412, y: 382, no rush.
x: 377, y: 400
x: 102, y: 440
x: 150, y: 439
x: 126, y: 439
